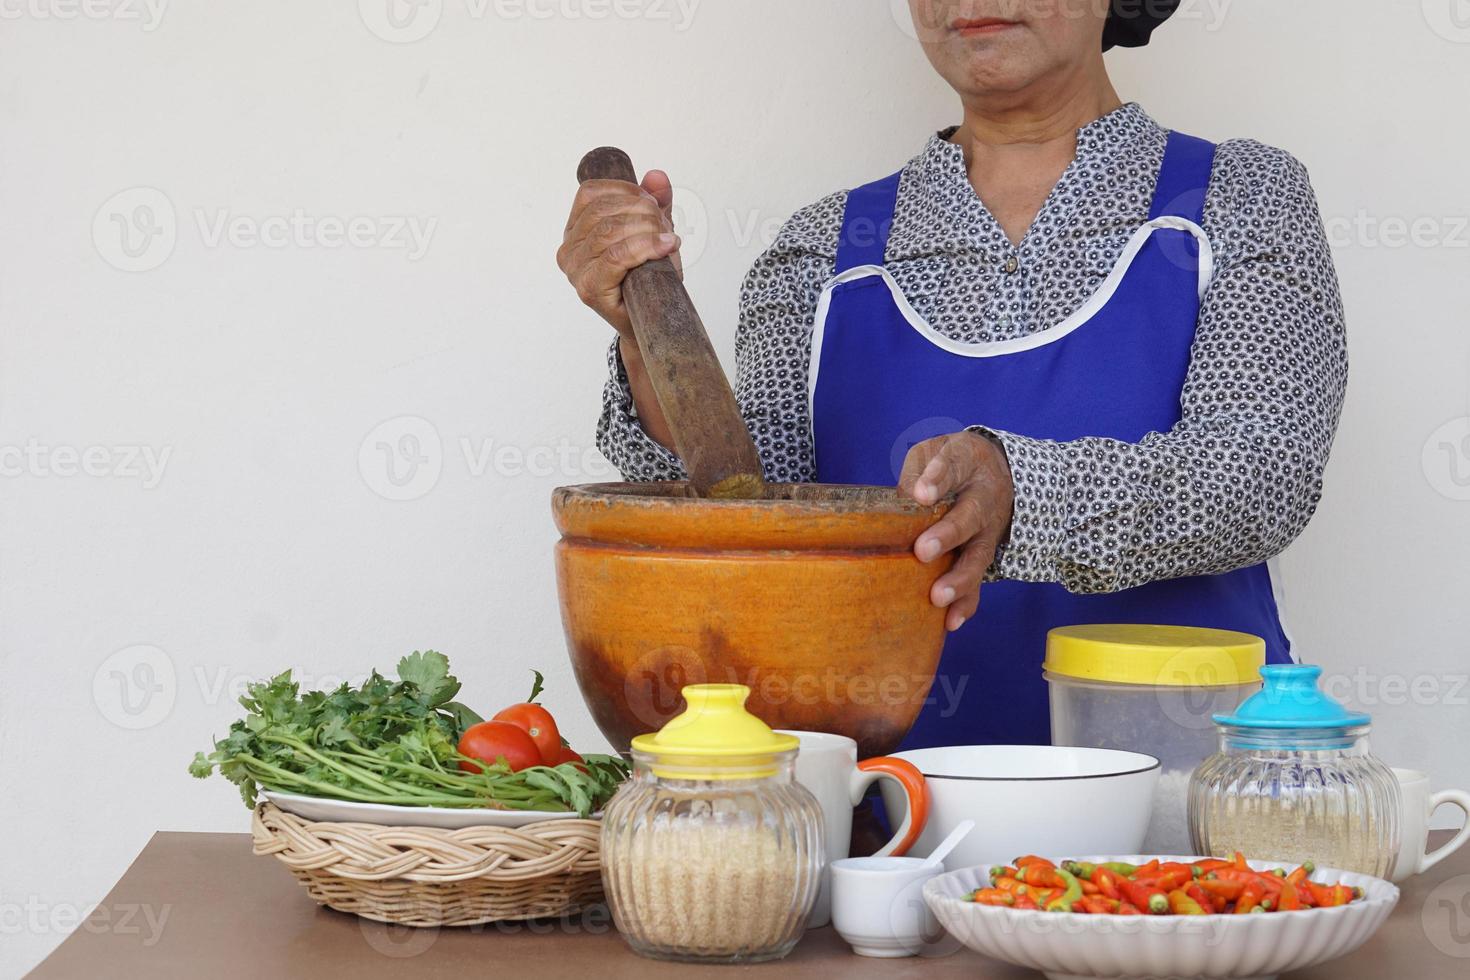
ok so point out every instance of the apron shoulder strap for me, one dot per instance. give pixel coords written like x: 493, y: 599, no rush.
x: 866, y: 223
x: 1184, y: 176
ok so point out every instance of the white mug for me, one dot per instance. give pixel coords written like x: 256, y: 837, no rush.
x: 828, y: 766
x: 1416, y: 805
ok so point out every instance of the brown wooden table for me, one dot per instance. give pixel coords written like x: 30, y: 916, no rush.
x: 201, y: 906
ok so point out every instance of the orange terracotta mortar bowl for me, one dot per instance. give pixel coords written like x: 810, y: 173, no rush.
x: 811, y: 597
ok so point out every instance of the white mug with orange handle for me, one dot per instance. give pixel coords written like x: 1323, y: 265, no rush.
x: 828, y: 766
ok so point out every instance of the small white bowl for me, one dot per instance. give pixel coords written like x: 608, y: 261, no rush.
x: 1032, y: 799
x: 878, y: 905
x: 1073, y: 945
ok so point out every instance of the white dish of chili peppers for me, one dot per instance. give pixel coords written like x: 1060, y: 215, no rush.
x: 1067, y: 944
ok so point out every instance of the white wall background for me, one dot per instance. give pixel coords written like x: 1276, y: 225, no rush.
x: 132, y: 606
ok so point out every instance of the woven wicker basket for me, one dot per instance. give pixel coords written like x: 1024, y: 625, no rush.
x: 425, y: 876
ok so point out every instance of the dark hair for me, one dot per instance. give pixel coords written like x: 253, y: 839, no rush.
x: 1130, y: 22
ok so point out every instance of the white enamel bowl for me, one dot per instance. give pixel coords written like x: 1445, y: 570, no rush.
x: 1031, y: 799
x: 1066, y: 946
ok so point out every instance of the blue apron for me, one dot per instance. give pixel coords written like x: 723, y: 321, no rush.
x: 883, y: 380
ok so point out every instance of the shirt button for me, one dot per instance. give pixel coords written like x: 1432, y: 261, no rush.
x: 1012, y: 264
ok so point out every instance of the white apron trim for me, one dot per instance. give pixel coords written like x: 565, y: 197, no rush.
x: 1000, y: 348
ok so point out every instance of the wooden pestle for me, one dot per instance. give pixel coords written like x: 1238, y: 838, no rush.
x: 709, y: 434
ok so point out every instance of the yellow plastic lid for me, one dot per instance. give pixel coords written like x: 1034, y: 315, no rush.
x: 715, y: 738
x: 1167, y: 656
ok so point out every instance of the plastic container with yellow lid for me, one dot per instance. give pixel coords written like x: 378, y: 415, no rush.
x: 712, y: 851
x: 1151, y: 689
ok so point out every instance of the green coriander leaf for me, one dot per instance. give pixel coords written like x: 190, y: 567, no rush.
x: 429, y: 672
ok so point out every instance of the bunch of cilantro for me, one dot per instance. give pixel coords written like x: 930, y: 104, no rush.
x: 387, y: 742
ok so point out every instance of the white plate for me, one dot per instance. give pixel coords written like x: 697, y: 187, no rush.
x: 1237, y: 946
x: 445, y: 818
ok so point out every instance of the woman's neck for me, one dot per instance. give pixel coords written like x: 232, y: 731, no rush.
x: 1017, y: 145
x: 1050, y: 112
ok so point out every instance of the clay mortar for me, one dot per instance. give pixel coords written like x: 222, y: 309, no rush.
x: 811, y: 596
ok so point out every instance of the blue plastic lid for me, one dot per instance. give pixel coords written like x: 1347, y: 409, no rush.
x: 1291, y: 698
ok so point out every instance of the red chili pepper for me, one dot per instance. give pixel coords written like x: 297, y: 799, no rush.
x: 1290, y: 900
x: 1146, y: 898
x: 1206, y: 901
x: 1146, y: 870
x: 1240, y: 864
x: 1212, y: 864
x: 1128, y: 908
x: 1106, y: 881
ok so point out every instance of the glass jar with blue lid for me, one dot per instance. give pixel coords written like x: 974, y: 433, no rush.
x: 1294, y: 781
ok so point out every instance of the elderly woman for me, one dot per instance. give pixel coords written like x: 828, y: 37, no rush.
x: 1120, y: 347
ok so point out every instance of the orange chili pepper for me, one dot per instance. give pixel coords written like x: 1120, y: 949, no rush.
x: 1230, y: 891
x: 1299, y: 875
x: 1030, y: 859
x: 1144, y: 870
x: 1106, y: 881
x: 1212, y: 864
x: 1037, y: 874
x: 1166, y: 881
x: 1270, y: 883
x: 1098, y: 905
x: 1008, y: 884
x: 1240, y: 864
x: 993, y: 896
x: 1182, y: 904
x: 1026, y: 902
x: 1250, y: 898
x: 1290, y: 900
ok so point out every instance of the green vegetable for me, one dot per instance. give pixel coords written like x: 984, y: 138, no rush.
x: 391, y: 743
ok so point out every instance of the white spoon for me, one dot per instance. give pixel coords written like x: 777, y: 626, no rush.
x: 937, y: 856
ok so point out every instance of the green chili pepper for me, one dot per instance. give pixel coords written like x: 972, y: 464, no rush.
x: 1082, y: 869
x: 1063, y: 902
x: 1119, y: 868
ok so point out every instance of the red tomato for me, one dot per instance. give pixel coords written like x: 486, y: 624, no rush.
x: 490, y: 740
x: 537, y: 722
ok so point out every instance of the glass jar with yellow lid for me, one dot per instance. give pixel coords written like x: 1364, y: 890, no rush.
x: 712, y: 852
x: 1150, y: 689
